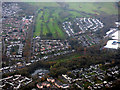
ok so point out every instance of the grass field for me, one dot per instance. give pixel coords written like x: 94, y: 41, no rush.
x: 46, y: 23
x: 52, y: 13
x: 65, y: 59
x: 90, y: 7
x: 38, y: 24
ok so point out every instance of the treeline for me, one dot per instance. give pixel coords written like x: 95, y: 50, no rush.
x: 93, y: 56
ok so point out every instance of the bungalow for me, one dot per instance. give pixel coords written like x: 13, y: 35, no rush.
x: 65, y: 86
x: 46, y: 84
x: 39, y: 85
x: 1, y: 86
x: 50, y: 79
x: 58, y: 84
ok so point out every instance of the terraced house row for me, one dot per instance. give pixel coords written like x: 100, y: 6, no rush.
x: 15, y: 82
x: 14, y: 30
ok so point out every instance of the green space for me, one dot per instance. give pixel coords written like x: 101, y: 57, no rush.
x: 65, y: 59
x: 94, y: 7
x: 51, y: 15
x: 38, y: 24
x: 47, y: 24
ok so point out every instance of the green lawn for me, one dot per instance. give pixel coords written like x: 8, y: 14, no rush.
x: 46, y: 22
x: 45, y: 29
x: 51, y: 27
x: 67, y: 58
x: 94, y: 8
x: 46, y: 15
x: 38, y: 24
x: 59, y: 31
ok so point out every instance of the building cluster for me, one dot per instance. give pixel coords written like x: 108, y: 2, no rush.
x: 15, y: 50
x: 9, y: 9
x: 68, y: 28
x: 88, y: 24
x: 27, y: 20
x: 87, y: 39
x: 52, y: 83
x: 15, y: 67
x: 50, y: 47
x: 14, y: 82
x: 113, y: 35
x: 82, y: 25
x: 93, y: 77
x: 22, y: 64
x: 14, y: 31
x: 79, y: 29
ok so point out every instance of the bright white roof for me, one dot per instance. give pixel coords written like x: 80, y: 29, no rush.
x: 115, y: 35
x: 110, y: 45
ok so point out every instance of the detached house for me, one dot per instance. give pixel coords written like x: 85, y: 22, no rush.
x: 39, y: 85
x: 50, y: 79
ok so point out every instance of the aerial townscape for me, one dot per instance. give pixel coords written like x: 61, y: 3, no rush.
x: 60, y: 45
